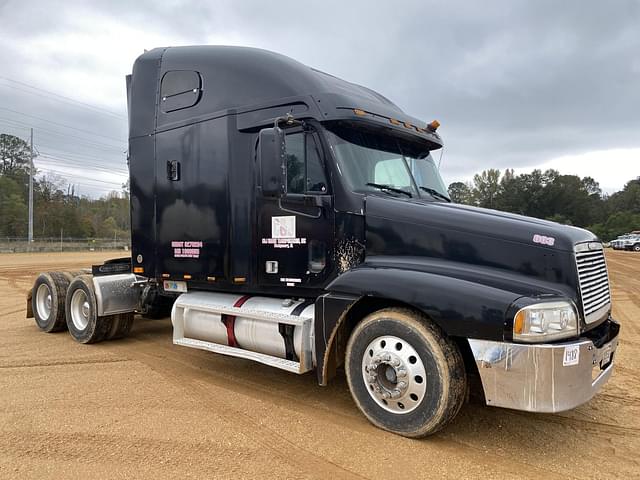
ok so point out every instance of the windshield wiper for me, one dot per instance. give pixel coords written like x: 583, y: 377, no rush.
x: 434, y: 193
x: 390, y: 188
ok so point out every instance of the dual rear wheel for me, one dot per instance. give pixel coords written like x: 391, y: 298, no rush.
x: 66, y: 300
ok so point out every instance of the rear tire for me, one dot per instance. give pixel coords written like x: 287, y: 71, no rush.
x: 48, y: 301
x: 120, y: 326
x: 71, y: 275
x: 636, y: 247
x: 83, y: 322
x: 404, y: 373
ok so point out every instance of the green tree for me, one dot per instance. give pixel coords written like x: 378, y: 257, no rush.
x: 617, y: 224
x: 14, y: 158
x: 13, y: 209
x: 628, y: 198
x: 486, y: 187
x: 460, y: 193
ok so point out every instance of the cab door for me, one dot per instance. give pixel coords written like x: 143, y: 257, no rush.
x: 296, y: 231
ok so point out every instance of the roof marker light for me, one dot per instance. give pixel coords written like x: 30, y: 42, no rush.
x: 360, y: 113
x: 433, y: 126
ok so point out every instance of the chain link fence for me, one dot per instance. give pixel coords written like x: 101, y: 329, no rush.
x: 63, y: 244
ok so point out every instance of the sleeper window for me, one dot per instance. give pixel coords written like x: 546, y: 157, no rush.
x: 180, y: 89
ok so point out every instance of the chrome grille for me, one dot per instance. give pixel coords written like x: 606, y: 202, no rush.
x: 593, y: 279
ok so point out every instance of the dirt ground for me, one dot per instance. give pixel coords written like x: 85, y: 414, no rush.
x: 141, y: 407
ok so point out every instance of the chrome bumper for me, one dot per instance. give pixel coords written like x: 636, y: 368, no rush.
x: 543, y: 377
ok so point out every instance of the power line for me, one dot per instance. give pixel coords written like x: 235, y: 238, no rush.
x: 82, y: 146
x: 60, y: 98
x: 80, y: 161
x: 65, y: 162
x: 84, y: 178
x: 60, y: 124
x: 91, y: 141
x: 82, y: 157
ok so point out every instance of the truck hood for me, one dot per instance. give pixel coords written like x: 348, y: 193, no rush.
x: 465, y: 222
x: 459, y: 238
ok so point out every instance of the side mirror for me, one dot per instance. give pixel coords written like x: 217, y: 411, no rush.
x: 271, y: 158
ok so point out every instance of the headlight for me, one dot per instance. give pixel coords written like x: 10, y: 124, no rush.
x: 545, y: 322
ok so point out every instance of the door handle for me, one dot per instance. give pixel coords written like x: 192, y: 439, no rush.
x: 173, y: 170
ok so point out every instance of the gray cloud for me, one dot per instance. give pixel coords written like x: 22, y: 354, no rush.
x: 514, y: 83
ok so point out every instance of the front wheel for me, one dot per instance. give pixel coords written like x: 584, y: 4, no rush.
x: 636, y: 247
x: 404, y: 373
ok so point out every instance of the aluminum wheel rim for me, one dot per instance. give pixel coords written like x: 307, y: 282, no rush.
x: 80, y: 309
x: 43, y: 301
x: 394, y: 374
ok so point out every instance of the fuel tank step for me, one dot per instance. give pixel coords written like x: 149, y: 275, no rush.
x: 273, y: 331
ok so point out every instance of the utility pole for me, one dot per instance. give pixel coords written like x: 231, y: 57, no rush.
x: 31, y: 191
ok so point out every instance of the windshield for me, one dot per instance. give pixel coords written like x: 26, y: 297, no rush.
x: 373, y: 162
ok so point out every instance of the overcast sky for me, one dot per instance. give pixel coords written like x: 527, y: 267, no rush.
x: 515, y: 84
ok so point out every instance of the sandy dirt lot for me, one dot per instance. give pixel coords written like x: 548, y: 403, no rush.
x: 140, y: 407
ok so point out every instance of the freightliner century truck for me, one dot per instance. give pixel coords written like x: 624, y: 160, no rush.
x: 298, y: 220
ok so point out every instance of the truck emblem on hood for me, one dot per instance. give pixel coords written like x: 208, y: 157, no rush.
x: 542, y: 240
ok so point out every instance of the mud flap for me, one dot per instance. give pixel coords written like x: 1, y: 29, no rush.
x: 29, y: 304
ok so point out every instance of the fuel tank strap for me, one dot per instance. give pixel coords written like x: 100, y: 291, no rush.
x: 300, y: 308
x: 287, y: 331
x: 229, y: 321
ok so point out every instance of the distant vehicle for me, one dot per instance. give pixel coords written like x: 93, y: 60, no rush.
x: 629, y: 241
x: 632, y: 243
x: 617, y: 243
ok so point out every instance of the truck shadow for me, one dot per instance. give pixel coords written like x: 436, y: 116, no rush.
x: 491, y: 429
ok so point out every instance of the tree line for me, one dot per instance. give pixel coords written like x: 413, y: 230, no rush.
x: 57, y: 209
x: 550, y: 195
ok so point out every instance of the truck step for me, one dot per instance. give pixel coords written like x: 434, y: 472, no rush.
x: 281, y: 363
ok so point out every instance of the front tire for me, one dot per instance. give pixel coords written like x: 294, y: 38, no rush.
x: 404, y: 373
x: 83, y: 322
x: 636, y: 247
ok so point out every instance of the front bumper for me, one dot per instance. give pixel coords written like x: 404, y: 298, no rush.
x: 546, y: 377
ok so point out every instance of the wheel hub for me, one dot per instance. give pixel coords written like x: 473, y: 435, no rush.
x: 385, y: 372
x: 43, y: 301
x: 80, y: 309
x: 394, y: 374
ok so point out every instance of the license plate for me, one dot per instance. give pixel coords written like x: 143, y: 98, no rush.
x: 174, y: 286
x: 606, y: 356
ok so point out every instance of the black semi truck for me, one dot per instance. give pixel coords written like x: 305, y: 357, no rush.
x: 292, y: 218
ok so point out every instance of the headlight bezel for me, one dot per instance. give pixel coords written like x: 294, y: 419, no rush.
x: 542, y: 322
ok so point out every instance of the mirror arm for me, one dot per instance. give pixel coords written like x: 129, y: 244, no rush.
x: 288, y: 120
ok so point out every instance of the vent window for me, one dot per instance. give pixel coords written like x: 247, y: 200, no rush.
x: 180, y: 89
